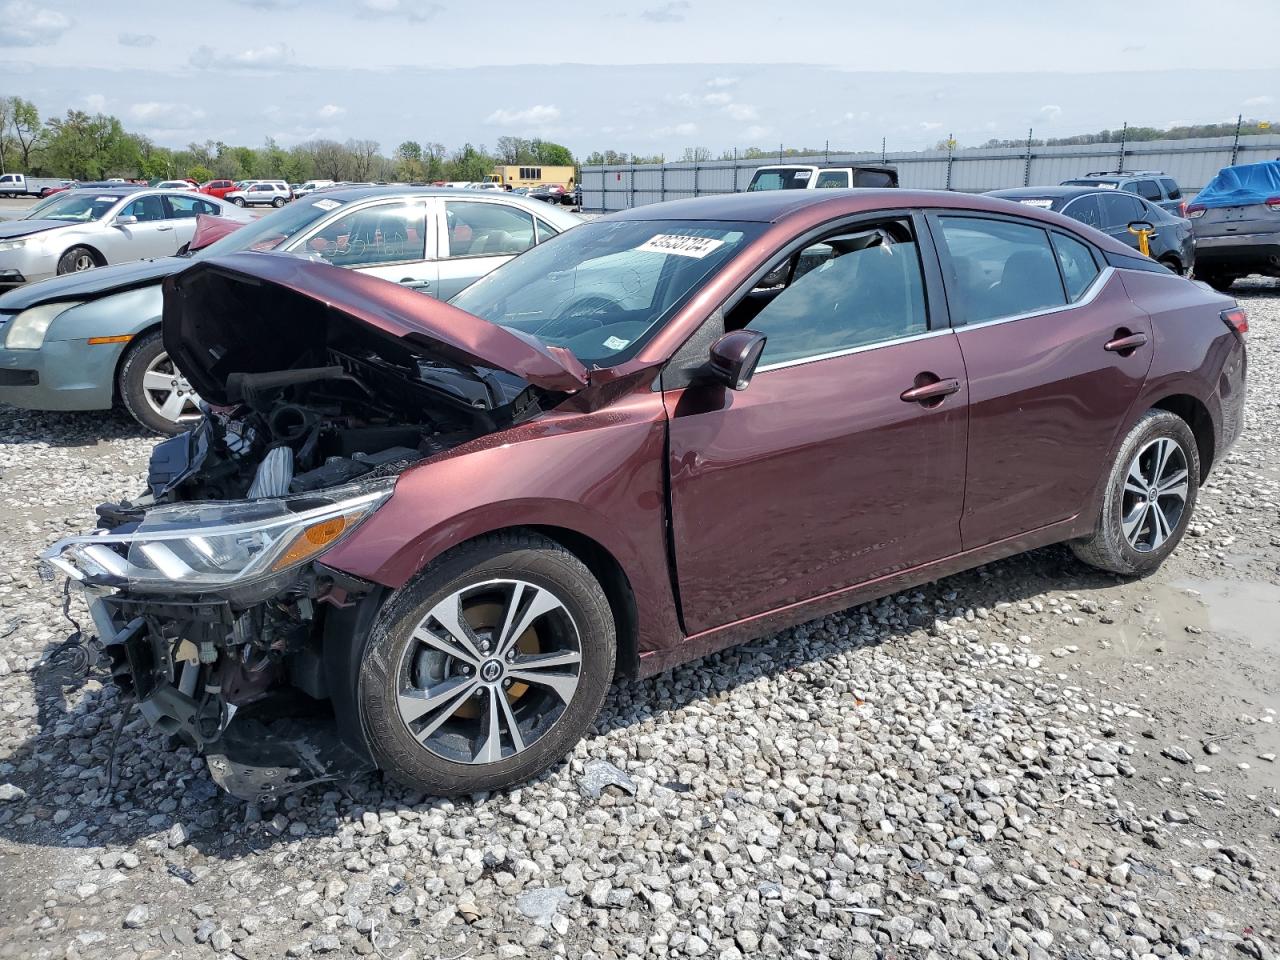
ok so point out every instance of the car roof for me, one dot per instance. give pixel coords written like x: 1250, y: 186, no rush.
x: 1049, y: 193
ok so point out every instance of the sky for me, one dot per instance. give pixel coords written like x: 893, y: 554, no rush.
x: 650, y: 76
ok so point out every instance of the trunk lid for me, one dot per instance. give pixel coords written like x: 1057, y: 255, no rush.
x: 263, y: 312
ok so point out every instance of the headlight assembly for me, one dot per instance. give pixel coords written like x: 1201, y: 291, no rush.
x: 26, y: 331
x: 201, y: 547
x: 12, y: 245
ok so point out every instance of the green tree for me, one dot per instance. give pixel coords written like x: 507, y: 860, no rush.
x: 550, y: 154
x: 199, y: 174
x: 88, y: 148
x: 27, y: 131
x: 469, y: 163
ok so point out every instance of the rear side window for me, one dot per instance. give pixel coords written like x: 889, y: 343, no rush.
x: 851, y: 290
x: 1077, y: 264
x: 1085, y: 209
x: 999, y: 269
x: 873, y: 178
x: 1171, y: 188
x: 1119, y: 210
x: 1148, y: 190
x: 832, y: 179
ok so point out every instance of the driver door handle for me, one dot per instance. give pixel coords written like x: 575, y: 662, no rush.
x: 931, y: 392
x: 415, y: 284
x: 162, y: 227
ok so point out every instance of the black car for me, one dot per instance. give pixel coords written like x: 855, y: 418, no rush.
x: 1111, y: 211
x: 1153, y: 185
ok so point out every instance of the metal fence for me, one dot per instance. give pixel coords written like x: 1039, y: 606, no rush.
x: 1191, y: 162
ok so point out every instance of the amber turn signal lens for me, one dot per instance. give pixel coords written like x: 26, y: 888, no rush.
x: 122, y: 338
x: 311, y: 541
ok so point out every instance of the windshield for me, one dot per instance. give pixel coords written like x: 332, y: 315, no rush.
x: 272, y: 230
x: 780, y: 178
x: 73, y: 207
x: 602, y: 288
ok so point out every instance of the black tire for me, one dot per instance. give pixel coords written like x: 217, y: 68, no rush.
x: 1219, y: 281
x: 238, y: 201
x: 1109, y: 548
x: 1173, y: 264
x: 518, y: 555
x: 74, y: 260
x: 278, y: 202
x: 142, y: 353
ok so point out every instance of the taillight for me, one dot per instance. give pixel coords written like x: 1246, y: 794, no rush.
x: 1237, y: 320
x: 1273, y: 203
x: 1182, y: 208
x: 1195, y: 210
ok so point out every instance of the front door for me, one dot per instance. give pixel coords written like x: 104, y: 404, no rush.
x: 390, y: 239
x: 151, y: 235
x: 478, y: 236
x: 827, y: 471
x: 1056, y: 354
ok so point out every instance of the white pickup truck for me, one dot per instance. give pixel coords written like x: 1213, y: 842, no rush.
x: 20, y: 185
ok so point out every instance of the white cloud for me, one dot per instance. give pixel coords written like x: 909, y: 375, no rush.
x: 1259, y: 101
x: 24, y: 24
x: 539, y: 115
x: 672, y: 12
x: 717, y: 99
x: 720, y: 82
x: 331, y: 110
x: 417, y: 11
x: 678, y: 130
x: 1051, y: 111
x: 741, y: 111
x: 930, y: 125
x: 96, y: 102
x: 136, y: 39
x: 756, y: 132
x: 270, y: 57
x: 168, y: 116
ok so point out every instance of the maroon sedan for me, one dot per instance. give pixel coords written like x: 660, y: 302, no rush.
x: 426, y: 537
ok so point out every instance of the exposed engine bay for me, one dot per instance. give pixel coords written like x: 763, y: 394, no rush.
x: 208, y: 591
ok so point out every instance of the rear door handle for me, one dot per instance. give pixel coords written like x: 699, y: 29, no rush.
x: 1125, y: 344
x: 931, y: 392
x: 414, y: 284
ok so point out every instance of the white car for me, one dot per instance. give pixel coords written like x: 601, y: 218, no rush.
x: 274, y: 192
x: 311, y: 186
x: 82, y: 229
x: 176, y: 185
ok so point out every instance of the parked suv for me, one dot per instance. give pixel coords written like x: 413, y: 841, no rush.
x: 820, y: 176
x: 274, y: 192
x: 1154, y: 185
x: 1236, y: 219
x: 218, y: 188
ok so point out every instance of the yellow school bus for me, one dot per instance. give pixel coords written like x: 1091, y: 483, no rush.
x: 531, y: 176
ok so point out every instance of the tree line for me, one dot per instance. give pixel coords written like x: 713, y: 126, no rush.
x: 85, y: 146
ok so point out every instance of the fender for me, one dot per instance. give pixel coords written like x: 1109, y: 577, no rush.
x: 501, y: 481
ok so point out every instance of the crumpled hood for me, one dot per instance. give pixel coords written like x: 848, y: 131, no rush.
x: 260, y: 312
x: 92, y: 284
x: 9, y: 229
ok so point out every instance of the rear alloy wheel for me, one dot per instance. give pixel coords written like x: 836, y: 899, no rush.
x: 487, y: 669
x: 154, y: 392
x: 76, y: 260
x: 278, y: 202
x: 1151, y: 493
x: 238, y: 201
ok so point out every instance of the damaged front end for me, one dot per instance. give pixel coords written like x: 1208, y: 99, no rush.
x: 208, y: 592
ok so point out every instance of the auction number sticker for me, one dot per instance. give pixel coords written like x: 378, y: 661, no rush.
x: 327, y: 204
x: 696, y: 247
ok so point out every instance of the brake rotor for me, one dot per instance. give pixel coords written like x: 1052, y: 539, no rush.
x: 486, y: 620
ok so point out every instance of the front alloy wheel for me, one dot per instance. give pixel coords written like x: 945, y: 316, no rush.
x: 154, y: 391
x: 489, y: 667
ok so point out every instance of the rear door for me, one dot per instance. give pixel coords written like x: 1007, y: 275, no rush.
x: 1049, y: 385
x: 477, y: 236
x: 183, y: 211
x: 821, y: 474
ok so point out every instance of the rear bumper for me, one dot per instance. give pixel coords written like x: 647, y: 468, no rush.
x: 61, y: 375
x: 1246, y: 252
x: 1230, y: 395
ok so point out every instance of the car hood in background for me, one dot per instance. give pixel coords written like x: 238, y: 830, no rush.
x: 255, y: 313
x: 92, y: 284
x: 9, y: 229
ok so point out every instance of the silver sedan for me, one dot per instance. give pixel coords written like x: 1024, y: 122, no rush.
x: 82, y: 229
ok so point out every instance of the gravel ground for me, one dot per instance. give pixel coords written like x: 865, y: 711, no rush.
x: 1030, y: 760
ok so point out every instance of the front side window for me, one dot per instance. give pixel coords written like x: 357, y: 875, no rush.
x: 479, y: 229
x: 1077, y: 264
x: 999, y: 269
x: 388, y: 233
x: 832, y: 178
x: 602, y: 288
x: 851, y: 290
x: 146, y: 209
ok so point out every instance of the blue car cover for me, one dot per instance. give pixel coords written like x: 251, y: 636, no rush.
x: 1245, y: 184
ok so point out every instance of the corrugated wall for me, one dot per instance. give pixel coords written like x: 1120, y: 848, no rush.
x: 1191, y: 162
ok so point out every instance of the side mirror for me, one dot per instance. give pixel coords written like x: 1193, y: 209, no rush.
x: 734, y: 357
x: 125, y: 221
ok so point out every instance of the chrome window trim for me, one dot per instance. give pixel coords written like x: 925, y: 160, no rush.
x: 863, y: 348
